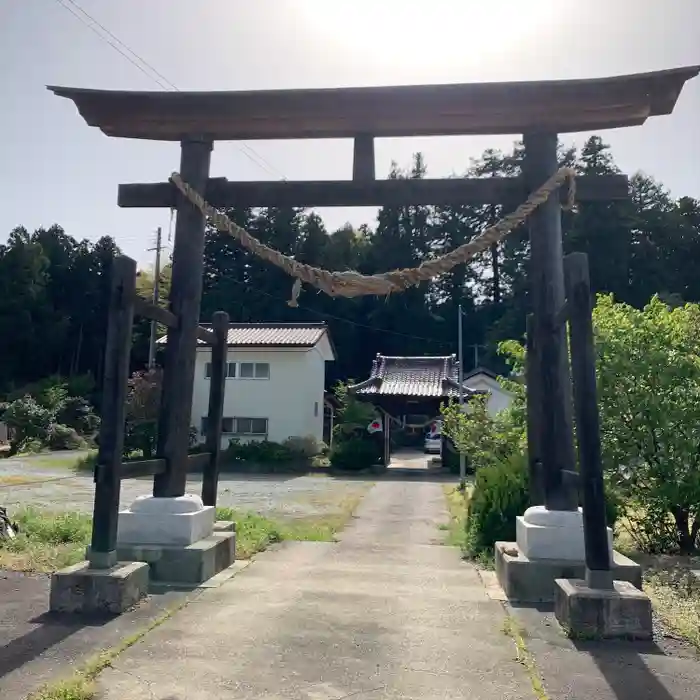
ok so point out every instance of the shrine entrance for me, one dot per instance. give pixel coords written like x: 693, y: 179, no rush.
x: 410, y: 391
x: 538, y: 111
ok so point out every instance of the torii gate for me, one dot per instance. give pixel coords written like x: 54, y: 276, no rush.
x: 537, y: 110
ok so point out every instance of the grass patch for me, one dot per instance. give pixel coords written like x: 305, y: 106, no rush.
x: 81, y: 685
x: 457, y: 504
x: 18, y: 480
x: 54, y: 460
x: 669, y: 583
x: 50, y: 541
x: 255, y: 532
x: 457, y: 532
x: 675, y: 596
x: 86, y: 463
x: 513, y: 629
x: 46, y: 541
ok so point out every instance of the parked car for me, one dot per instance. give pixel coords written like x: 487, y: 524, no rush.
x: 433, y: 439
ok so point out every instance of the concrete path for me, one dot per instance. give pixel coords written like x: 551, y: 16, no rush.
x: 607, y: 669
x: 388, y: 612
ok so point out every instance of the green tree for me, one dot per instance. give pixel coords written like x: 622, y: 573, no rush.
x: 484, y: 439
x: 352, y: 416
x: 649, y: 391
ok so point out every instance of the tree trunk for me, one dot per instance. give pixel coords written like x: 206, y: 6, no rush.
x: 496, y: 271
x: 694, y: 532
x: 686, y: 540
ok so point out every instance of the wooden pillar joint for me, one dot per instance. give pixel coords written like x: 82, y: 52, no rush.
x: 363, y: 158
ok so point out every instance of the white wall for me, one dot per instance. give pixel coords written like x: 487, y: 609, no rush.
x: 499, y: 399
x: 287, y: 399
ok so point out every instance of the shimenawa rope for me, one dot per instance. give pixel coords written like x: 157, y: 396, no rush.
x: 354, y: 284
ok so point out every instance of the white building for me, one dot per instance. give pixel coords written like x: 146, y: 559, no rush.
x: 481, y: 379
x: 275, y: 383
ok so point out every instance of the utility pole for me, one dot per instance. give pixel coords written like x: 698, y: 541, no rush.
x: 156, y: 284
x: 476, y: 347
x: 462, y: 458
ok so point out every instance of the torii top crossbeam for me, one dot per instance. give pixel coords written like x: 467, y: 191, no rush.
x: 427, y: 110
x: 538, y: 111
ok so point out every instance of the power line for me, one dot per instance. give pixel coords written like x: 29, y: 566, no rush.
x: 101, y: 36
x: 159, y: 76
x: 139, y: 62
x: 345, y: 320
x: 144, y: 66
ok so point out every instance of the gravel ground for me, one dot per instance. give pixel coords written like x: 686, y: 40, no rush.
x: 286, y: 496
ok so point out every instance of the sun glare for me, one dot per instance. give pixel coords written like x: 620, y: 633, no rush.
x: 400, y: 32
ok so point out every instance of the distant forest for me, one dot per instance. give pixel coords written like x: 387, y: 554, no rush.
x: 53, y: 288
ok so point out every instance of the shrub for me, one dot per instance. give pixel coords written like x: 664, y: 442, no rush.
x: 450, y: 457
x: 142, y: 404
x: 49, y: 392
x: 140, y: 437
x: 354, y: 454
x: 63, y: 437
x: 263, y: 451
x: 77, y: 413
x: 86, y: 463
x: 28, y: 421
x: 500, y: 494
x: 81, y: 385
x: 304, y: 447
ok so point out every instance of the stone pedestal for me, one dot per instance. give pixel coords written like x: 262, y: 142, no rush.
x: 165, y: 521
x: 528, y: 580
x: 550, y: 545
x: 81, y: 589
x: 552, y: 534
x: 189, y: 565
x: 621, y: 612
x: 177, y: 538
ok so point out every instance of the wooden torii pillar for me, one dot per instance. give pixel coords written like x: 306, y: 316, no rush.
x: 537, y: 110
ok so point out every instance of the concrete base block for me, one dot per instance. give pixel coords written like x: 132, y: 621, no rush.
x: 552, y: 534
x: 80, y: 589
x: 621, y: 612
x: 191, y: 564
x: 533, y: 580
x: 165, y: 521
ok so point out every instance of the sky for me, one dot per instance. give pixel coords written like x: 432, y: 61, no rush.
x: 56, y: 169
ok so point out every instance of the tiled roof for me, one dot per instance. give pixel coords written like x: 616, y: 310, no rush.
x: 413, y: 376
x: 481, y: 370
x: 279, y: 335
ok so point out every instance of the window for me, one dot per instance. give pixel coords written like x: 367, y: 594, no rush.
x: 230, y: 370
x: 226, y: 425
x: 250, y: 426
x: 254, y: 370
x: 315, y: 409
